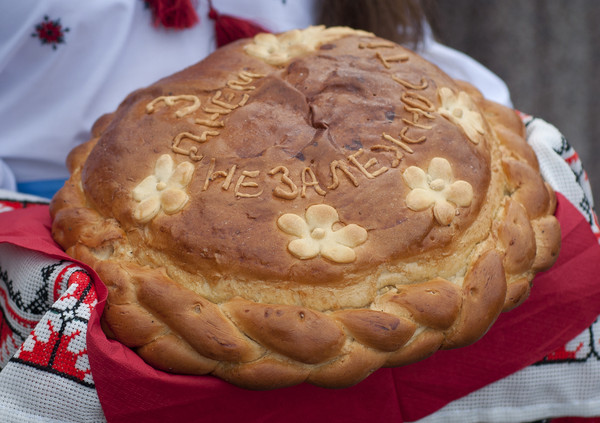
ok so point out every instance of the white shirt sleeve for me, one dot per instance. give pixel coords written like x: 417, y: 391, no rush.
x: 7, y: 178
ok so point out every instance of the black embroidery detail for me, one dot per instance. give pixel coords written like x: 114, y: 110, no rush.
x: 564, y: 146
x: 564, y: 356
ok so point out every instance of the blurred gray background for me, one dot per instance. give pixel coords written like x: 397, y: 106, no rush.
x: 547, y: 51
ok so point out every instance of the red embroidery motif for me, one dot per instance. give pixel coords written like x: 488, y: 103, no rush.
x: 57, y: 344
x: 9, y: 205
x: 564, y: 354
x: 50, y: 32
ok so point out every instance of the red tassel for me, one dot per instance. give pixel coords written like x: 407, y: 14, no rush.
x: 229, y: 28
x: 177, y: 14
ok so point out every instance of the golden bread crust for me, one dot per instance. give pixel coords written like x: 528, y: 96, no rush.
x: 306, y: 207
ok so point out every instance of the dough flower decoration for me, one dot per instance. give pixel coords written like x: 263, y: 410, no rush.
x: 462, y: 111
x: 164, y: 190
x: 437, y: 188
x: 279, y: 49
x: 316, y: 235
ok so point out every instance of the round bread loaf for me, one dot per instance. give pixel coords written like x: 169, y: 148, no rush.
x: 306, y: 207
